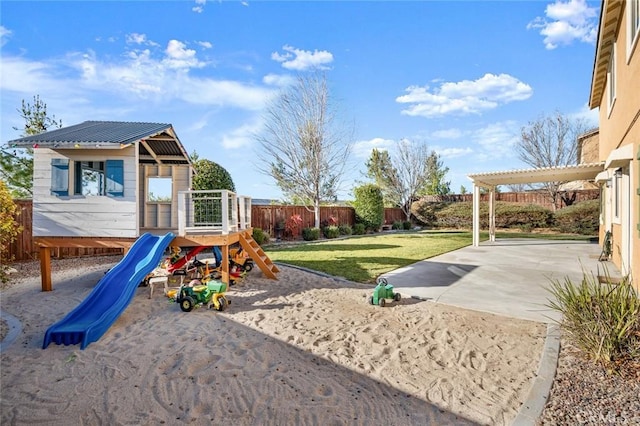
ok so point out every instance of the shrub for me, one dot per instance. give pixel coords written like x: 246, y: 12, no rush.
x: 581, y: 218
x: 329, y: 222
x: 601, y: 319
x: 260, y: 236
x: 425, y: 211
x: 397, y: 225
x: 310, y: 234
x: 345, y: 229
x: 460, y: 215
x: 406, y: 225
x: 369, y: 206
x: 293, y: 224
x: 359, y: 229
x: 9, y: 229
x: 514, y: 215
x: 331, y: 231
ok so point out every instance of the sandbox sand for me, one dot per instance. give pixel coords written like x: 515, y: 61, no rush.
x: 305, y: 349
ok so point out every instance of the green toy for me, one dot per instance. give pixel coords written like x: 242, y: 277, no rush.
x: 383, y: 291
x: 210, y: 294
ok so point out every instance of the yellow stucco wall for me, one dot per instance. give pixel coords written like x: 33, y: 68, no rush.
x: 619, y: 127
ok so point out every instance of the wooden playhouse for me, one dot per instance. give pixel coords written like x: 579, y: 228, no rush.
x: 105, y: 183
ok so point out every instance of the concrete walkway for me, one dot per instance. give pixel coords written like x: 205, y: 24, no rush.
x: 507, y: 277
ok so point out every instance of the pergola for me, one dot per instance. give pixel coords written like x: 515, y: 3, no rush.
x: 490, y: 180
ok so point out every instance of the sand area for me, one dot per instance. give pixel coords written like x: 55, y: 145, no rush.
x: 304, y: 349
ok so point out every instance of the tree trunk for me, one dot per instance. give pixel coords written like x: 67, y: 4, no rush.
x: 316, y: 213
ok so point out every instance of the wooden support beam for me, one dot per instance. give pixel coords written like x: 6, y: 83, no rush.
x: 45, y: 268
x: 225, y: 266
x: 206, y: 240
x: 84, y: 242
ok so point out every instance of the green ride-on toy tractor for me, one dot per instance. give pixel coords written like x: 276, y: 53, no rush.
x: 210, y: 294
x: 383, y: 291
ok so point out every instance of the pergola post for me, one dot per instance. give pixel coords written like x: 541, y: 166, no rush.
x: 492, y: 214
x: 476, y: 215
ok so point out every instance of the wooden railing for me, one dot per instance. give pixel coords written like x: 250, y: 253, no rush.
x: 214, y: 211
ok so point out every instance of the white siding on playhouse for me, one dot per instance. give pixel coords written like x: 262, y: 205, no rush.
x: 77, y: 215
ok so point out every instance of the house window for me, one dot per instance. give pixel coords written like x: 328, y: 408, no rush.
x: 633, y: 26
x: 611, y: 78
x: 617, y: 195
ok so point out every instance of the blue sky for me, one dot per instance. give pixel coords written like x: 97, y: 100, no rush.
x: 461, y: 76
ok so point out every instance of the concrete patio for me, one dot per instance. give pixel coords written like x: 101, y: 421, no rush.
x: 507, y: 277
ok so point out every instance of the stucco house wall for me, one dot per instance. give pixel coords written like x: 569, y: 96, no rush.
x: 616, y: 91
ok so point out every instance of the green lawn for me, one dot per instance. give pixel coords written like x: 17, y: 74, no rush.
x: 364, y: 258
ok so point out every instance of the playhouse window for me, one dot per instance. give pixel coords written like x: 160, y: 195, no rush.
x: 160, y: 189
x: 90, y: 178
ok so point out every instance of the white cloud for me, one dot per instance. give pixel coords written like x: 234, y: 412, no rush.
x: 278, y: 80
x: 497, y: 140
x: 27, y: 77
x: 179, y: 57
x: 135, y: 38
x: 241, y: 137
x: 590, y: 116
x: 452, y: 152
x: 566, y: 22
x: 4, y: 35
x: 300, y: 60
x: 362, y: 149
x: 447, y: 134
x: 205, y: 44
x: 143, y: 75
x: 199, y: 7
x: 464, y: 97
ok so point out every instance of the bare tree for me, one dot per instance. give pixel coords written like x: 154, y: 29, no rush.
x: 412, y: 173
x: 304, y: 146
x: 551, y: 141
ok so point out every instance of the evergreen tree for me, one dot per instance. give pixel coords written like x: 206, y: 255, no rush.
x: 16, y: 164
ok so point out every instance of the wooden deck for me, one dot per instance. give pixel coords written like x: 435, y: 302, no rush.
x: 224, y: 241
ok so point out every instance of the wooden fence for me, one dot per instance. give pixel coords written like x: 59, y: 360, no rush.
x: 273, y: 218
x: 265, y: 217
x: 539, y: 198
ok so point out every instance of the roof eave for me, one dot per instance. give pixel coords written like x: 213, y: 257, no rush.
x: 610, y: 14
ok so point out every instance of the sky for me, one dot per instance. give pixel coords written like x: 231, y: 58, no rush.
x: 463, y: 77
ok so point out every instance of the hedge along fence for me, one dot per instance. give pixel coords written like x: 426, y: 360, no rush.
x: 580, y: 218
x: 273, y: 218
x: 539, y: 198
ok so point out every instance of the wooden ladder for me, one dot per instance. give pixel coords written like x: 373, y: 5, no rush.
x: 258, y: 255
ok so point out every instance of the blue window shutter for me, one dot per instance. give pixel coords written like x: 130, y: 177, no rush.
x: 115, y: 178
x: 60, y: 176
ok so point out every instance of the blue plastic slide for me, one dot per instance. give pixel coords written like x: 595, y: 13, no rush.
x: 111, y: 296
